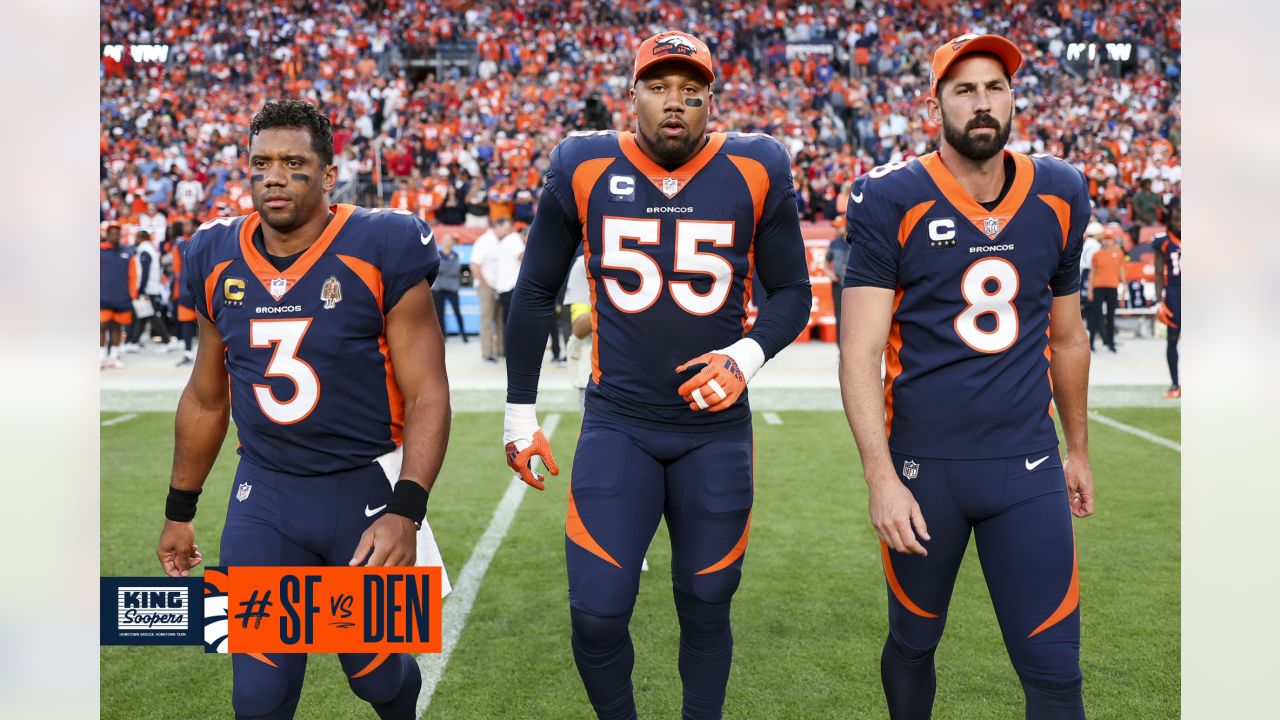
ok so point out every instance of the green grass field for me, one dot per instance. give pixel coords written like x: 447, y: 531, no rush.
x: 809, y: 618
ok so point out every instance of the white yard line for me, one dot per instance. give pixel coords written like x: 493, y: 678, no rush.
x: 772, y: 418
x: 119, y: 419
x: 1136, y: 431
x: 458, y: 605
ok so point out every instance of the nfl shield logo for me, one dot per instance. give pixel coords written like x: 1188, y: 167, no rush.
x: 991, y: 227
x: 910, y: 469
x: 242, y: 493
x: 670, y: 186
x: 278, y: 287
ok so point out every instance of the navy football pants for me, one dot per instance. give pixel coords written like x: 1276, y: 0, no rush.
x: 1018, y: 512
x: 287, y: 520
x: 625, y: 479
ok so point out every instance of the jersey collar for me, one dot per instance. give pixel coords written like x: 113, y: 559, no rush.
x: 669, y: 183
x: 285, y: 280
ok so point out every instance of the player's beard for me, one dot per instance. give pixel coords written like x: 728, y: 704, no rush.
x: 978, y: 148
x: 672, y: 150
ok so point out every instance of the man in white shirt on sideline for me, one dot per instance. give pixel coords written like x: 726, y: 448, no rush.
x: 484, y: 271
x: 510, y: 255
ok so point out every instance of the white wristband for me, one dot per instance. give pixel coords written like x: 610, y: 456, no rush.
x: 519, y: 423
x: 748, y: 354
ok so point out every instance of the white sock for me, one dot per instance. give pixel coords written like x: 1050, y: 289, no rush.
x: 102, y: 352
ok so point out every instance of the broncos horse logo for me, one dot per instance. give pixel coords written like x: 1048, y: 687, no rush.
x: 675, y: 45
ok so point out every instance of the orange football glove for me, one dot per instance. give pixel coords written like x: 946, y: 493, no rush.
x: 719, y: 385
x: 524, y: 441
x: 1165, y: 315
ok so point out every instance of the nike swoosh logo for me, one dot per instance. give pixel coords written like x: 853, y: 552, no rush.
x: 426, y: 239
x: 856, y: 197
x: 1033, y: 465
x: 375, y: 511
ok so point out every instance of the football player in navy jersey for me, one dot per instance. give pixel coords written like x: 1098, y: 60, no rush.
x: 1168, y: 246
x: 318, y: 334
x: 674, y: 223
x: 964, y: 275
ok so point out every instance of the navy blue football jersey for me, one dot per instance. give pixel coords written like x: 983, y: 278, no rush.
x: 313, y: 390
x: 1169, y: 247
x: 968, y: 353
x: 117, y: 278
x: 670, y: 258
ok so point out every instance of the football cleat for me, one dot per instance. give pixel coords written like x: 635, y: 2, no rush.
x: 1173, y: 393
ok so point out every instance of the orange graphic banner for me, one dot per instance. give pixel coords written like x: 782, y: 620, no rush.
x: 333, y: 609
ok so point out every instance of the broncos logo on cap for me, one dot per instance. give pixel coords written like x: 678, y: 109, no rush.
x: 675, y: 44
x: 955, y: 44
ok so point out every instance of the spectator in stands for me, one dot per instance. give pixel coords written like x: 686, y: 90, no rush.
x: 448, y: 281
x: 1146, y: 208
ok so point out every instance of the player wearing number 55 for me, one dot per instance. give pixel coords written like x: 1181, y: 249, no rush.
x: 318, y: 334
x: 674, y: 222
x: 963, y: 274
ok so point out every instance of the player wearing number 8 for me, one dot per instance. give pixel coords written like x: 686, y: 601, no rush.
x: 963, y: 275
x: 674, y: 223
x: 318, y: 335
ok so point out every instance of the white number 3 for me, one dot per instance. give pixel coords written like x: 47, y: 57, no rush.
x: 286, y: 336
x: 973, y: 286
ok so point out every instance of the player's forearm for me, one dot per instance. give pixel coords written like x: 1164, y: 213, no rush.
x: 1069, y: 370
x: 426, y: 430
x: 199, y: 430
x: 862, y: 391
x: 528, y: 327
x: 782, y: 316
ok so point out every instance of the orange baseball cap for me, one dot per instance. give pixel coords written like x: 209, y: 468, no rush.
x: 671, y: 46
x: 945, y: 56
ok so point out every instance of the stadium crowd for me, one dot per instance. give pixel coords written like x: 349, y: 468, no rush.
x: 450, y: 109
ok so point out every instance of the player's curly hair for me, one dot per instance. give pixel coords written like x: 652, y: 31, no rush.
x: 297, y: 114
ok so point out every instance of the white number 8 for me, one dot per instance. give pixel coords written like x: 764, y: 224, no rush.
x: 980, y: 302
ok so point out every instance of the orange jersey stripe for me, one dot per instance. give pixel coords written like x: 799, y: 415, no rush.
x: 733, y: 554
x: 1062, y: 209
x: 898, y: 592
x: 585, y: 178
x: 893, y: 363
x: 578, y: 533
x: 1069, y: 602
x: 211, y: 283
x: 757, y: 181
x: 370, y: 275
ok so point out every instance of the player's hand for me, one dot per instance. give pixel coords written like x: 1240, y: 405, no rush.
x: 391, y: 541
x: 1164, y: 314
x: 1079, y: 485
x: 896, y: 516
x: 524, y: 441
x: 177, y: 550
x: 719, y: 385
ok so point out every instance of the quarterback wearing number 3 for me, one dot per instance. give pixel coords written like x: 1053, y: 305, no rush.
x: 319, y: 336
x: 674, y: 224
x: 964, y: 275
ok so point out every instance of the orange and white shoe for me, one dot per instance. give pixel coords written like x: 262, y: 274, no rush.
x: 1173, y: 393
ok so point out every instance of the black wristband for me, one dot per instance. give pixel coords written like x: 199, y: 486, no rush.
x: 180, y: 506
x: 409, y: 499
